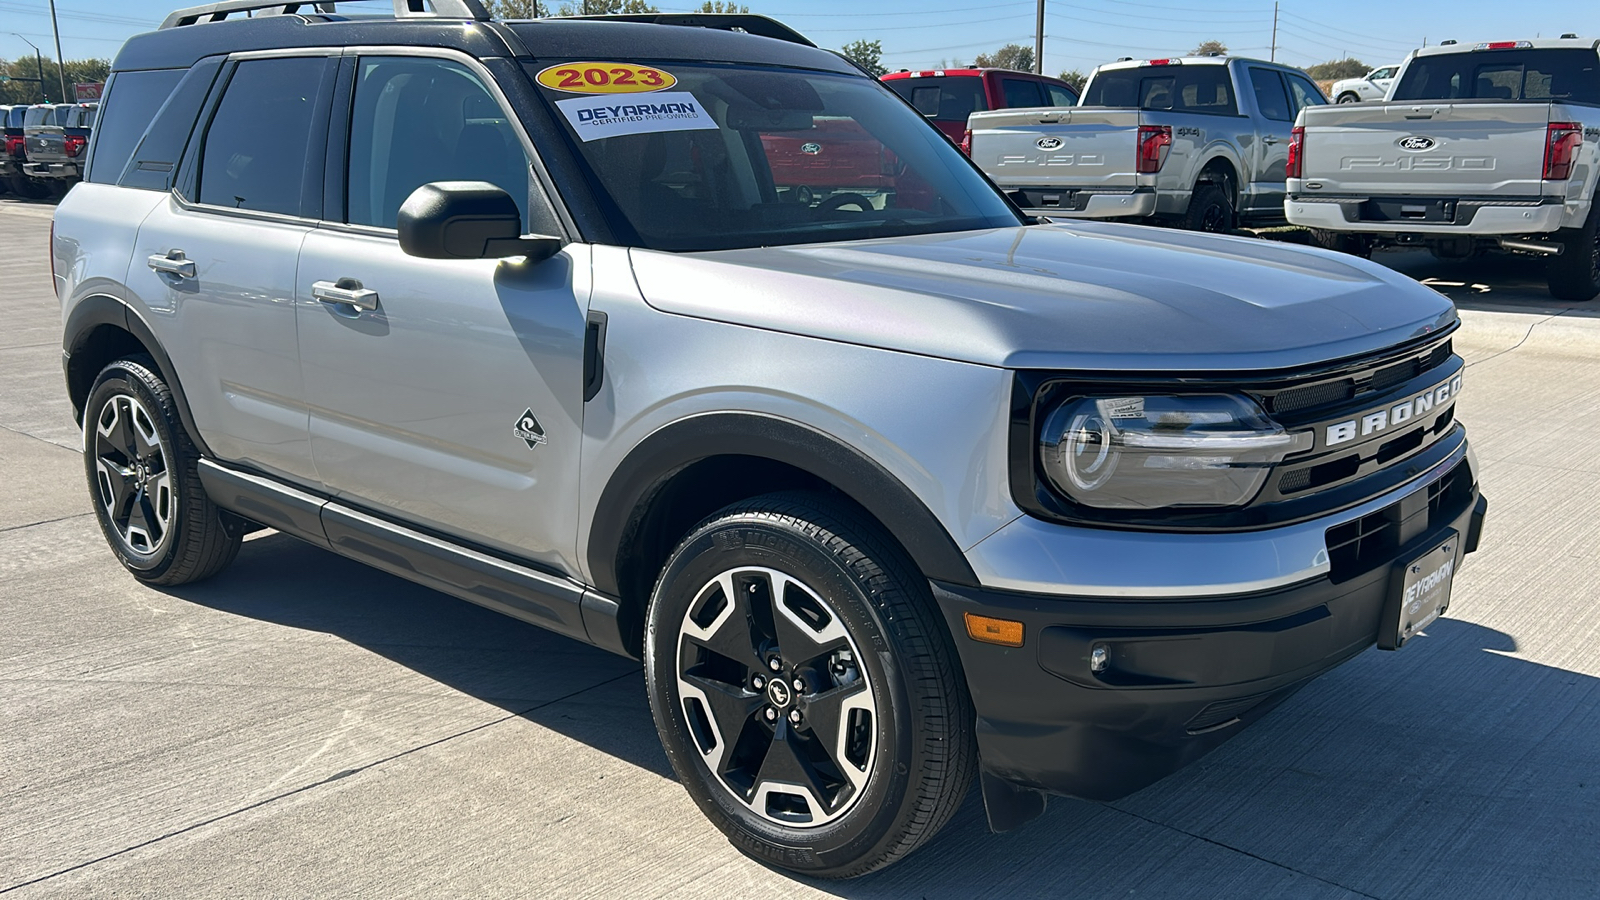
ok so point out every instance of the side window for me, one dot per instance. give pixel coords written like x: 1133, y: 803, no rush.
x: 1303, y: 92
x: 420, y: 120
x: 1021, y: 92
x: 1387, y: 72
x: 1060, y: 96
x: 1270, y: 98
x: 132, y: 99
x: 254, y: 152
x: 1205, y: 89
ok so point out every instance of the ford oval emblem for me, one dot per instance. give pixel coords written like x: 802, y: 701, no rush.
x: 1048, y: 143
x: 1417, y: 143
x: 810, y: 149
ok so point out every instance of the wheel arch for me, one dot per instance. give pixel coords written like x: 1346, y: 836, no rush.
x: 687, y: 470
x: 1220, y: 169
x: 102, y: 328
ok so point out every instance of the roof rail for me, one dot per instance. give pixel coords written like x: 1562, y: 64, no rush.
x: 750, y: 24
x: 403, y: 9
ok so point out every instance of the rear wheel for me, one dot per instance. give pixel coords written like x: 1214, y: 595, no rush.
x: 143, y: 480
x: 1342, y: 242
x: 1210, y: 209
x: 805, y: 688
x: 1575, y: 274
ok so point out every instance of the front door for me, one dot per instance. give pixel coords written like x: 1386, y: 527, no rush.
x: 214, y: 265
x: 1270, y: 181
x: 449, y: 395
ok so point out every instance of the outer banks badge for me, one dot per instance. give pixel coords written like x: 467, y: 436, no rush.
x: 529, y: 429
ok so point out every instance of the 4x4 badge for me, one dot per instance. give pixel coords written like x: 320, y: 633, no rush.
x: 529, y: 430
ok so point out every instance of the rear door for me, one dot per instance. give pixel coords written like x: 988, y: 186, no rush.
x: 452, y: 397
x: 1270, y: 157
x: 1021, y: 93
x: 214, y: 263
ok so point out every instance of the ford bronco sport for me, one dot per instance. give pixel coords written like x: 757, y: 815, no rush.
x: 886, y: 494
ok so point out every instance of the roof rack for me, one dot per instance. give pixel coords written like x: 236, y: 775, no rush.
x: 750, y: 24
x: 403, y: 9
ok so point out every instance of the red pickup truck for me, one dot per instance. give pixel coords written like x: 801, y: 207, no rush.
x: 949, y: 96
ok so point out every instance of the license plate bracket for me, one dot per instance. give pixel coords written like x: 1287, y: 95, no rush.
x: 1419, y: 592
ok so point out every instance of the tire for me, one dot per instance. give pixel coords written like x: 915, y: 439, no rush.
x: 855, y: 749
x: 1210, y: 209
x: 143, y: 480
x: 1575, y: 274
x: 1348, y: 97
x: 30, y: 188
x: 1353, y: 244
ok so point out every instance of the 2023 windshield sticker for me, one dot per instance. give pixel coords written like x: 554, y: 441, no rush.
x: 614, y: 115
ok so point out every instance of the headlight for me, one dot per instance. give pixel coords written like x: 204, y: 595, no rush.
x: 1159, y: 451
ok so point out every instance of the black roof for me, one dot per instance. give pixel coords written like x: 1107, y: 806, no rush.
x: 541, y: 38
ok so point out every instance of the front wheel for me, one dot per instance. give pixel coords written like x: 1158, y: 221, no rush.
x: 805, y: 688
x: 1349, y: 98
x: 1575, y: 274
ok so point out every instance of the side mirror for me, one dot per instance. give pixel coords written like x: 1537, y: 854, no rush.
x: 467, y: 220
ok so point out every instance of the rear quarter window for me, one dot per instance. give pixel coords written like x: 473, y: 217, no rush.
x: 1194, y: 88
x: 132, y: 99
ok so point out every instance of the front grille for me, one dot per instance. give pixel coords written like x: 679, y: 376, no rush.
x: 1304, y: 401
x: 1357, y: 546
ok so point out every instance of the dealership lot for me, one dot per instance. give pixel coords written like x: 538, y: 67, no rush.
x: 303, y: 725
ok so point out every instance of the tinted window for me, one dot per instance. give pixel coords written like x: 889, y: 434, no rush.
x: 15, y: 116
x: 719, y: 162
x: 39, y: 115
x: 1270, y: 97
x: 946, y: 97
x: 422, y: 120
x: 1019, y: 92
x: 1303, y: 92
x: 1503, y: 75
x: 155, y: 157
x: 254, y: 154
x: 1060, y: 96
x: 1194, y: 88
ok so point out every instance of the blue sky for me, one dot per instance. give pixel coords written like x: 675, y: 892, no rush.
x: 915, y: 35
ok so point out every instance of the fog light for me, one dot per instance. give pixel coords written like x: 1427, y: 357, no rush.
x: 1099, y: 658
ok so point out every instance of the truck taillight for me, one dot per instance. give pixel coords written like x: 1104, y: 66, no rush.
x: 966, y: 142
x: 1154, y: 141
x: 1297, y: 152
x: 14, y: 145
x: 73, y: 144
x: 1562, y: 141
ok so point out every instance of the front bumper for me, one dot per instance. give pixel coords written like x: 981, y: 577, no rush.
x: 1471, y: 217
x: 1184, y: 674
x: 52, y: 169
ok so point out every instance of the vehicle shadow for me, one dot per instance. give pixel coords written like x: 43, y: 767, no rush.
x: 1449, y: 769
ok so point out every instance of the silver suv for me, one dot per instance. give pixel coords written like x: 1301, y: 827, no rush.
x: 888, y: 491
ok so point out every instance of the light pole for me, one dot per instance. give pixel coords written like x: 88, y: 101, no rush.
x: 38, y: 62
x: 61, y: 67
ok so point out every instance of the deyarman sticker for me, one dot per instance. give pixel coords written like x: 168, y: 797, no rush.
x: 618, y: 114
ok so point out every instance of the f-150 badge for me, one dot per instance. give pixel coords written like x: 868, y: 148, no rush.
x: 529, y: 429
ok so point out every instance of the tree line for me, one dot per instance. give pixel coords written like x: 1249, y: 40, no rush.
x: 78, y: 71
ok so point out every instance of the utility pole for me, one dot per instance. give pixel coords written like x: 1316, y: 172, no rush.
x: 1039, y: 40
x: 1272, y: 58
x: 61, y: 69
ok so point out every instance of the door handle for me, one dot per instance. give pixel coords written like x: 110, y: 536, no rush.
x: 345, y: 292
x: 1269, y: 139
x: 174, y: 263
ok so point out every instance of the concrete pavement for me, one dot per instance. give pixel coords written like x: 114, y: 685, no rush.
x: 304, y: 726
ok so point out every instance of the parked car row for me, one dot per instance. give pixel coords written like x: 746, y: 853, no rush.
x: 45, y: 146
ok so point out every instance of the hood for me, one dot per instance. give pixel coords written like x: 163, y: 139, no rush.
x: 1080, y: 296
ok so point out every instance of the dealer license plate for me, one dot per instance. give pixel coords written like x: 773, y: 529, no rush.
x: 1422, y: 592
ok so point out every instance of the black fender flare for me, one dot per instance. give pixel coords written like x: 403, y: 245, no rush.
x: 686, y: 441
x: 103, y: 309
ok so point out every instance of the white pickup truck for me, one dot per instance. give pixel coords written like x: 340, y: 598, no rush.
x: 1494, y: 146
x: 1201, y: 141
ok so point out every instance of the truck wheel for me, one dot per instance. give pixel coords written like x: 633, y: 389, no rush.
x: 1575, y: 274
x: 805, y: 688
x: 31, y: 188
x: 1210, y: 209
x: 1353, y: 244
x: 143, y: 481
x: 1348, y: 97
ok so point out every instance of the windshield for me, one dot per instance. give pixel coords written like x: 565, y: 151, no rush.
x: 719, y: 158
x: 1554, y: 74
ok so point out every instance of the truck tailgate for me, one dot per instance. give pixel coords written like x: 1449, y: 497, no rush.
x: 1078, y: 147
x: 1450, y: 149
